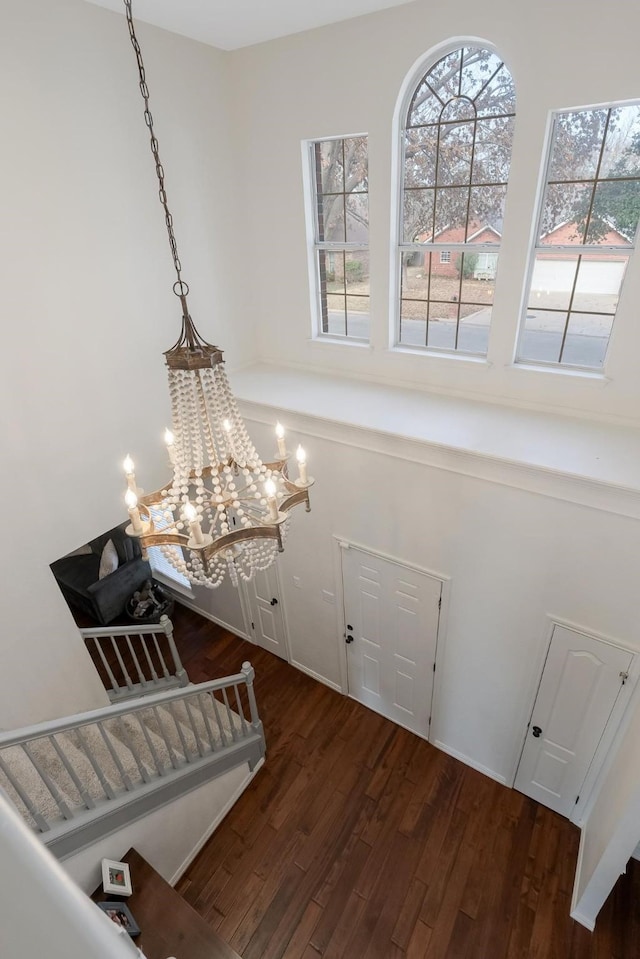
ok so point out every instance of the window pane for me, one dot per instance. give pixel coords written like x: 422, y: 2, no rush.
x: 454, y: 155
x: 331, y: 217
x: 330, y: 161
x: 443, y: 323
x: 577, y: 142
x: 587, y: 340
x: 334, y: 270
x: 451, y: 214
x: 420, y: 156
x: 418, y: 215
x: 598, y: 284
x: 336, y: 315
x: 552, y: 282
x: 542, y: 336
x: 486, y: 209
x: 356, y: 268
x: 564, y: 215
x: 621, y: 155
x: 425, y: 107
x: 493, y: 150
x: 616, y: 208
x: 498, y: 96
x: 473, y: 331
x: 478, y: 66
x: 356, y: 165
x: 358, y: 316
x: 357, y: 217
x: 444, y: 77
x: 413, y: 322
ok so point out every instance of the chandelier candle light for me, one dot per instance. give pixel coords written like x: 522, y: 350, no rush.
x: 224, y: 511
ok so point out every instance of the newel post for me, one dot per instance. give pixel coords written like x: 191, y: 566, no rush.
x: 167, y: 628
x: 249, y: 675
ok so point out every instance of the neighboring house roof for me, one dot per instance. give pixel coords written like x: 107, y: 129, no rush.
x: 456, y: 234
x: 563, y: 232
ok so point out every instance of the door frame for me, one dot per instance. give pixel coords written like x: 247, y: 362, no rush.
x: 612, y: 728
x: 340, y: 544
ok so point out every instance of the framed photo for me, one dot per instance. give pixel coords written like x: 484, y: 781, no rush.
x: 116, y: 878
x: 121, y: 915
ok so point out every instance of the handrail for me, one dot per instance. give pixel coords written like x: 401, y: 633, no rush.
x: 52, y: 727
x: 136, y: 670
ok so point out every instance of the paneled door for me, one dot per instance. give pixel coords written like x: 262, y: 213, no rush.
x: 391, y: 629
x: 581, y: 681
x: 265, y: 608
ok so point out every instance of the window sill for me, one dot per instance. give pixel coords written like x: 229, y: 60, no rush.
x: 438, y: 355
x: 592, y: 463
x: 341, y: 341
x: 585, y: 376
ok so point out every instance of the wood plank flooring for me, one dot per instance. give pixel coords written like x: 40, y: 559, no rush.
x: 358, y: 839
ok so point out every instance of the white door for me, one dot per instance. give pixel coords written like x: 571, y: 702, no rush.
x: 391, y: 620
x: 581, y: 681
x: 265, y: 609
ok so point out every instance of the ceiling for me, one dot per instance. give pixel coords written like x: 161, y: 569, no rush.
x: 230, y: 24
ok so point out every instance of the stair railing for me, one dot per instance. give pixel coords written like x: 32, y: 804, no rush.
x: 144, y: 747
x: 136, y: 660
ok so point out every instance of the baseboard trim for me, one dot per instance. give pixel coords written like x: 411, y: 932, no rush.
x: 179, y: 598
x: 316, y: 676
x: 469, y: 762
x: 216, y: 822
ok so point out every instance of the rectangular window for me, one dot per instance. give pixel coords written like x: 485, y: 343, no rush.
x: 340, y: 248
x: 159, y: 561
x: 445, y: 256
x: 585, y: 234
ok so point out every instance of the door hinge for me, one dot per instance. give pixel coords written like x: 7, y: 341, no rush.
x: 434, y: 667
x: 576, y: 802
x: 253, y: 625
x: 440, y: 603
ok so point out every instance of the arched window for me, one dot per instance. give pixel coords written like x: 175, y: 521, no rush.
x: 456, y: 153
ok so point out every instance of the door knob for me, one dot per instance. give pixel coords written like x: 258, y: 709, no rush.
x: 349, y: 639
x: 537, y: 732
x: 274, y: 602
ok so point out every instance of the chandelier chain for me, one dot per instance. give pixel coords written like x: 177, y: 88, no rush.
x: 180, y: 288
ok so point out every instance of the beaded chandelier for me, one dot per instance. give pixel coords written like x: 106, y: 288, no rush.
x: 224, y: 510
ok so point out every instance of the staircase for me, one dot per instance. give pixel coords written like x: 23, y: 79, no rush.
x: 77, y: 779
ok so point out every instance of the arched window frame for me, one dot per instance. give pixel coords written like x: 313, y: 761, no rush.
x: 398, y: 245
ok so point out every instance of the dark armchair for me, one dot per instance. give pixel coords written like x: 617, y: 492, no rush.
x: 102, y: 599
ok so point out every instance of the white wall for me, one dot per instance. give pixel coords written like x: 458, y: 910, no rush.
x: 345, y: 79
x: 514, y: 558
x: 87, y: 301
x: 42, y: 912
x: 610, y: 835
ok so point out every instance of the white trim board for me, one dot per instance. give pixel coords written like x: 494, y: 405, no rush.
x: 592, y: 464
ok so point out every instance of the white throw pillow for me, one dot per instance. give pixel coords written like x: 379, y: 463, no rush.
x: 108, y: 560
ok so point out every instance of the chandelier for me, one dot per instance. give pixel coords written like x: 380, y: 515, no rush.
x: 224, y: 511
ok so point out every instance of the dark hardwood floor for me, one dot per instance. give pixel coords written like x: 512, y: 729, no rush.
x: 358, y: 839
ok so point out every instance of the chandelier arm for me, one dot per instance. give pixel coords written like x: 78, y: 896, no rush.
x: 239, y: 535
x: 302, y: 496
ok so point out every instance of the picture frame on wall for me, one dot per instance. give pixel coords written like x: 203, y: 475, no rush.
x: 116, y: 878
